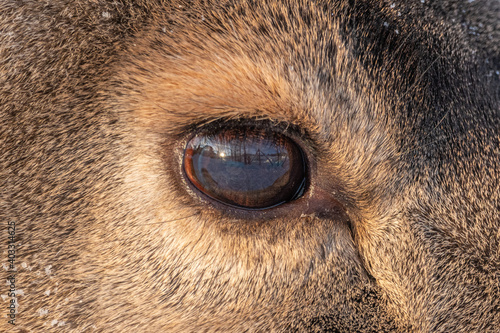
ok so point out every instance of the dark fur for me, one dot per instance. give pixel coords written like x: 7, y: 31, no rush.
x: 397, y: 104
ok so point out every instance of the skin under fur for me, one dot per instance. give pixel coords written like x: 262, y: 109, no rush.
x: 396, y: 105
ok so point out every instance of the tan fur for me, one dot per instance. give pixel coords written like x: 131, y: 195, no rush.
x: 395, y: 104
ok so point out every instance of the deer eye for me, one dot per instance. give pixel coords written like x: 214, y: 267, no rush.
x: 246, y: 168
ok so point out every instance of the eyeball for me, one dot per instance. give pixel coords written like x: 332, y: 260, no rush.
x: 246, y: 168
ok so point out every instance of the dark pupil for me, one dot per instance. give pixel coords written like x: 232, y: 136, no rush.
x: 246, y: 168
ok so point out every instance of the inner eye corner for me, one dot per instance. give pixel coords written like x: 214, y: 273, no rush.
x: 246, y: 167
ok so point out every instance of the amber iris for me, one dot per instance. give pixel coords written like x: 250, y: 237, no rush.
x: 250, y: 169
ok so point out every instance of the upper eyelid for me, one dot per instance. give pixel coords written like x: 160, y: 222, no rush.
x: 214, y: 125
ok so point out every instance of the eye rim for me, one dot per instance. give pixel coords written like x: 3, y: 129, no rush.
x: 289, y: 131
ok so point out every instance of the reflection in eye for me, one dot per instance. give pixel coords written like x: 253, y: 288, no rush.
x: 246, y: 168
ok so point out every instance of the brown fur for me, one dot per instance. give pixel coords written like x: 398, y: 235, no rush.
x: 396, y: 105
